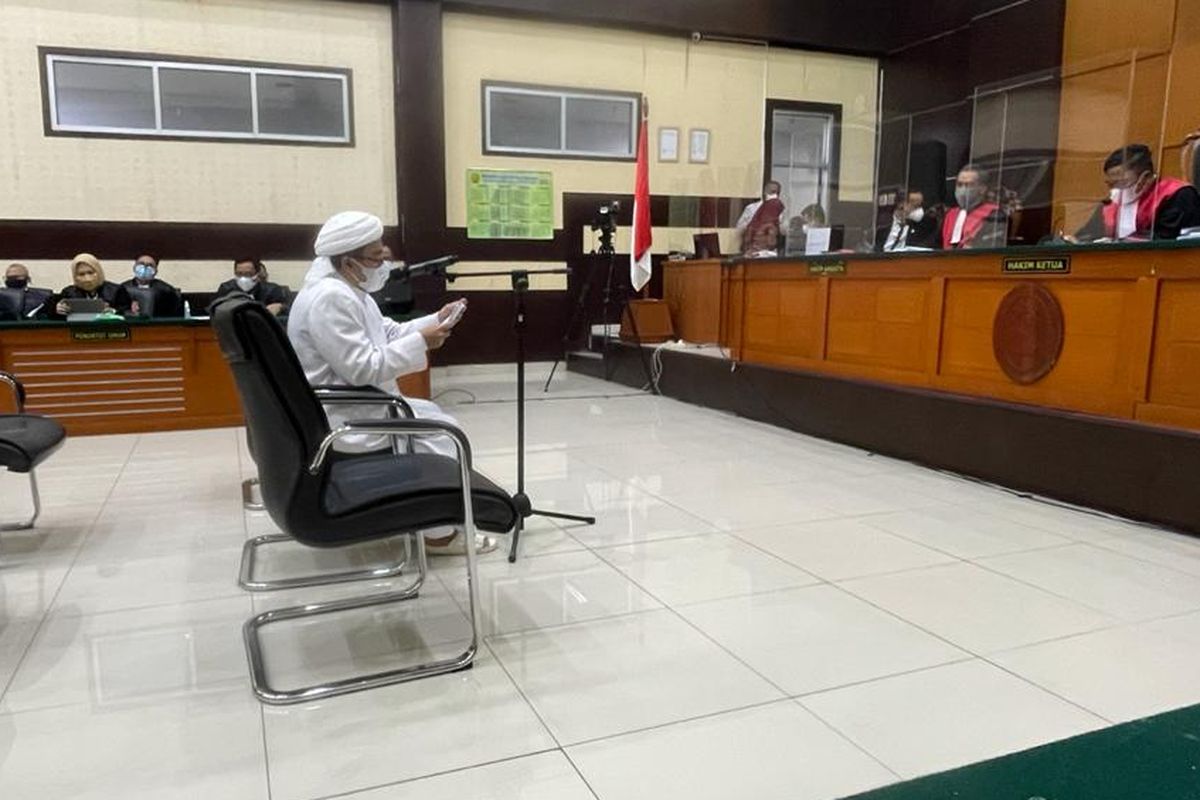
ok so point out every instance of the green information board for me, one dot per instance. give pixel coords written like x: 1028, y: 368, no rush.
x: 509, y: 204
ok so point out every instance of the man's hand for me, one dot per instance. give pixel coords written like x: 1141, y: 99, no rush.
x: 448, y: 309
x: 63, y: 308
x: 275, y: 308
x: 435, y: 336
x: 135, y: 308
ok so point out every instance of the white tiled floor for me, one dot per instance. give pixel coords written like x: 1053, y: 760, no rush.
x: 756, y: 614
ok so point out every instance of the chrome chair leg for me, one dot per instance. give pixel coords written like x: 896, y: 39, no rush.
x: 250, y: 550
x: 273, y: 696
x: 251, y: 498
x: 37, y: 508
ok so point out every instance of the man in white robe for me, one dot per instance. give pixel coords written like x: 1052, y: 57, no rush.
x: 342, y: 338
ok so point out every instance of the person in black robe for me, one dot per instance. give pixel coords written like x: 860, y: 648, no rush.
x: 89, y: 284
x: 250, y: 277
x: 150, y: 296
x: 31, y: 301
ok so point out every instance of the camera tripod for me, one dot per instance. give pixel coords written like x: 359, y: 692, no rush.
x: 607, y: 227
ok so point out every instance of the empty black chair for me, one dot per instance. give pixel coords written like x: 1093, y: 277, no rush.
x: 12, y: 304
x: 327, y: 501
x: 26, y: 440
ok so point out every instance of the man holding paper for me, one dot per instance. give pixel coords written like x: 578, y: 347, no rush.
x: 342, y: 338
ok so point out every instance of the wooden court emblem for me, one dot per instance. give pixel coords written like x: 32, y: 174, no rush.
x: 1027, y: 333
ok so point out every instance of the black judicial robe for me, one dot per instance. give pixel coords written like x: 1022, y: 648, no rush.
x: 1180, y: 210
x: 167, y: 300
x: 263, y: 292
x: 111, y: 293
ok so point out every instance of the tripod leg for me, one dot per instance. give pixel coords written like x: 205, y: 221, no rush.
x: 516, y: 540
x: 637, y: 340
x: 553, y: 368
x: 560, y: 515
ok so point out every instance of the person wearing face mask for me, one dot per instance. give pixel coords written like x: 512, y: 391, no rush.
x: 976, y: 222
x: 341, y: 338
x: 1141, y: 205
x: 771, y: 190
x: 250, y: 277
x: 151, y: 296
x: 89, y: 284
x: 29, y: 300
x: 913, y: 226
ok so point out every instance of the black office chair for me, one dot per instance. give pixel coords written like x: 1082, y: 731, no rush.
x: 12, y: 304
x: 26, y: 440
x: 328, y: 501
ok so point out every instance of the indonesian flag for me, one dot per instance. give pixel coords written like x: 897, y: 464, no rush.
x: 639, y: 255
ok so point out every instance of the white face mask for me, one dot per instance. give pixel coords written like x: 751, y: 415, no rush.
x: 1123, y: 197
x: 375, y: 279
x: 245, y: 283
x: 916, y: 215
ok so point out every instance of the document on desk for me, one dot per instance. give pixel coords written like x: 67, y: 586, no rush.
x: 817, y: 241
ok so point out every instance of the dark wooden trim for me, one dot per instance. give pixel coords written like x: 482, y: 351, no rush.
x: 835, y: 140
x: 1057, y: 454
x: 55, y: 239
x: 49, y: 130
x: 483, y: 117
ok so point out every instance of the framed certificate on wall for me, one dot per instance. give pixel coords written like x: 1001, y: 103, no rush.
x: 668, y: 144
x: 698, y: 139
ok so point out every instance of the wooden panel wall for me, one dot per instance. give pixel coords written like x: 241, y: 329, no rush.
x: 1131, y: 321
x: 1129, y: 75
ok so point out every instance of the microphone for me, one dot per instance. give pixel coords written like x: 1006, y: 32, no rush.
x: 436, y: 266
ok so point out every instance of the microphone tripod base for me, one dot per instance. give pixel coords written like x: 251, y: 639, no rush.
x: 525, y: 510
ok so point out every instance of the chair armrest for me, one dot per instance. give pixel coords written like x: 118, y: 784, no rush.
x: 394, y: 428
x: 359, y: 395
x: 18, y: 390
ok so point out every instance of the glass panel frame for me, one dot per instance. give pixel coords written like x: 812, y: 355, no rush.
x: 492, y: 90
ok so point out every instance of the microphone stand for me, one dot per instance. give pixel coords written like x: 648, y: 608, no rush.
x: 525, y: 509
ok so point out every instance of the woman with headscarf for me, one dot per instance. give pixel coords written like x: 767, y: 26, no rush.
x: 89, y: 284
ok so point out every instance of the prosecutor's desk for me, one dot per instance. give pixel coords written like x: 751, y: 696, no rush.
x: 129, y: 375
x: 1112, y: 330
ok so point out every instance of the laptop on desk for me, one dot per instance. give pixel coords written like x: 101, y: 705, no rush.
x: 84, y: 309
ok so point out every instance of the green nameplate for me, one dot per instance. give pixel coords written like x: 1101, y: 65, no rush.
x: 99, y: 333
x: 827, y: 268
x: 1060, y: 264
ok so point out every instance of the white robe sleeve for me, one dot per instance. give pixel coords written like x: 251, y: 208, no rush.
x: 344, y: 343
x: 396, y: 330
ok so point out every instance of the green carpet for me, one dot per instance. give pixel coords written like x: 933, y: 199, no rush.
x: 1157, y: 758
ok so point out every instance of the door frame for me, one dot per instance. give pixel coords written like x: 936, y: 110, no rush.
x: 835, y: 139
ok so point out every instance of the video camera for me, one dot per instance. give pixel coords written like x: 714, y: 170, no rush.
x: 605, y: 221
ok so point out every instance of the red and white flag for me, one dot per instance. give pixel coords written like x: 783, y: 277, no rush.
x: 639, y: 254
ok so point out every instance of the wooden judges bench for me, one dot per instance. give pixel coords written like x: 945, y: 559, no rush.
x: 129, y: 376
x: 1116, y: 334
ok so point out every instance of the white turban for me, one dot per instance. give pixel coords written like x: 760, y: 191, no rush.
x: 342, y: 233
x: 347, y: 232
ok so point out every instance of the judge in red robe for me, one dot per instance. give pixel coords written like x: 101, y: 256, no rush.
x: 1141, y: 205
x: 975, y: 223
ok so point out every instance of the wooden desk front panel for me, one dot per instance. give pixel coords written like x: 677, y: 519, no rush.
x: 693, y: 294
x: 1131, y: 327
x: 161, y: 378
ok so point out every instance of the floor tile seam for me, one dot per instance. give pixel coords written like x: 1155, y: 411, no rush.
x: 1101, y: 545
x: 558, y: 626
x: 582, y: 777
x: 736, y: 709
x: 867, y: 521
x: 151, y: 606
x: 845, y: 738
x: 981, y: 564
x: 223, y: 686
x: 1119, y: 625
x: 49, y: 606
x: 549, y: 731
x: 351, y: 793
x: 823, y: 579
x: 73, y: 614
x: 1053, y: 693
x: 710, y: 639
x: 895, y: 770
x: 911, y: 623
x: 855, y: 684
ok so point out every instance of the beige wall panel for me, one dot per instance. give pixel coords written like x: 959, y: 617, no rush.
x: 720, y: 87
x: 75, y: 178
x: 1099, y: 29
